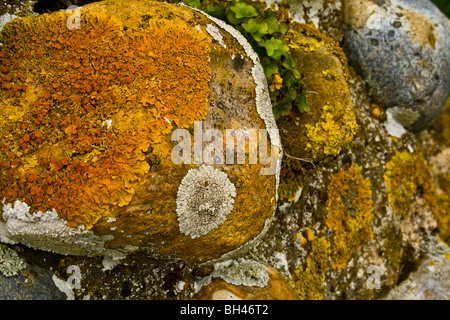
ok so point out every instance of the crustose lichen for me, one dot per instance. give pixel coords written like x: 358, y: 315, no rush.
x: 205, y: 198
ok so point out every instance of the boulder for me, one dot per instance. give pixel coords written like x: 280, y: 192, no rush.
x: 402, y: 50
x: 107, y: 123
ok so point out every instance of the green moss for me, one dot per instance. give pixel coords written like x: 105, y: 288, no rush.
x: 308, y: 279
x: 349, y: 213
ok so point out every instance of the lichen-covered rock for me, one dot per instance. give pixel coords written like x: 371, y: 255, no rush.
x: 10, y: 262
x: 11, y: 9
x: 22, y: 281
x: 402, y: 50
x: 245, y: 280
x: 330, y: 127
x: 360, y: 224
x: 352, y: 225
x: 18, y: 8
x: 429, y: 282
x: 87, y: 120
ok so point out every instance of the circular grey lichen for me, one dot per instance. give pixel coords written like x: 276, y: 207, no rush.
x: 205, y: 198
x: 10, y: 262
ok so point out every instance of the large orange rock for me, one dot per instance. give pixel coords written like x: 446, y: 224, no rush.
x: 94, y: 115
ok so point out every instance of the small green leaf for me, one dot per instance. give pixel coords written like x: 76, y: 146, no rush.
x: 256, y: 28
x: 271, y: 19
x: 276, y: 113
x: 296, y: 74
x: 284, y: 28
x: 292, y: 94
x: 285, y: 107
x: 243, y: 10
x: 288, y: 62
x: 269, y: 68
x: 192, y: 3
x: 215, y: 11
x: 275, y: 48
x: 302, y: 103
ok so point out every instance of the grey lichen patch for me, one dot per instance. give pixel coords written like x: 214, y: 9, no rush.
x: 46, y: 231
x: 242, y: 272
x: 10, y: 262
x: 205, y: 198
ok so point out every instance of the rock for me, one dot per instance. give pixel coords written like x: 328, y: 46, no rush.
x: 21, y: 281
x: 96, y: 122
x: 402, y: 50
x: 19, y: 8
x: 10, y: 262
x: 11, y: 9
x: 222, y: 286
x: 429, y: 282
x: 329, y: 128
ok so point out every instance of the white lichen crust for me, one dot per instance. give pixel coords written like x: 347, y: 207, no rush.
x: 240, y: 272
x: 205, y: 198
x: 46, y: 231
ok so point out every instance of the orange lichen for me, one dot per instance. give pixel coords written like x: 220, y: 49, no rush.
x: 58, y: 86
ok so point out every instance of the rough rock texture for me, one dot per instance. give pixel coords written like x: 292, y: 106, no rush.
x: 429, y: 282
x: 402, y: 50
x: 276, y: 288
x: 11, y: 9
x: 22, y: 281
x: 371, y: 221
x: 87, y: 146
x: 19, y: 8
x: 330, y: 126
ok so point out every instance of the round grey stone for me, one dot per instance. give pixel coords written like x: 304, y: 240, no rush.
x: 402, y: 50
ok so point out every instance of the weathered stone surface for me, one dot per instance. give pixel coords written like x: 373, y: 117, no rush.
x: 20, y: 281
x: 429, y: 282
x: 87, y: 123
x: 276, y: 288
x: 330, y: 127
x: 402, y: 50
x: 366, y: 223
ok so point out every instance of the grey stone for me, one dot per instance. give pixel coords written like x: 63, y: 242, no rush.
x: 32, y: 283
x: 402, y: 50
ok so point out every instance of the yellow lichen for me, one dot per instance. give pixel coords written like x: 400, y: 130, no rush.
x: 407, y: 175
x: 58, y: 87
x: 308, y: 279
x: 314, y: 40
x: 349, y: 213
x: 328, y: 137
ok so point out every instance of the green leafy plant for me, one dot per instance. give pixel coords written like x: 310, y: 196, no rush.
x: 266, y: 33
